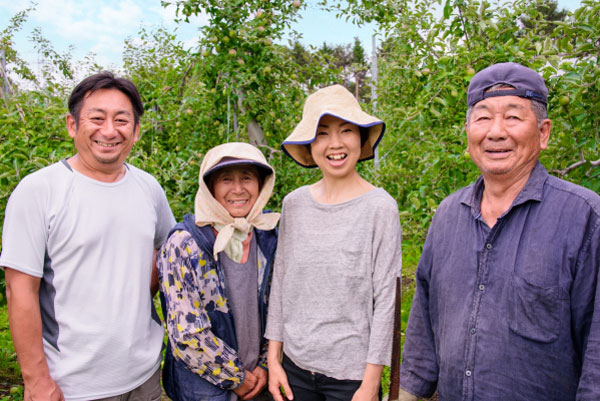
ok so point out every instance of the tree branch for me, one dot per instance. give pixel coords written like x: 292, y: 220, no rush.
x: 464, y: 26
x: 12, y: 93
x: 566, y: 171
x: 184, y: 78
x: 578, y: 163
x: 271, y: 150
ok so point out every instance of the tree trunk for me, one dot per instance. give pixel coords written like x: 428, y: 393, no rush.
x: 255, y: 133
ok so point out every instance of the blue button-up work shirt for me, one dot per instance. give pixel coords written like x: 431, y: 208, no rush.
x: 510, y: 312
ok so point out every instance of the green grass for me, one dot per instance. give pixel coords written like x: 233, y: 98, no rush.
x: 11, y: 385
x: 410, y: 259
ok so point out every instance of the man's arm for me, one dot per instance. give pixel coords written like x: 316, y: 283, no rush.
x: 419, y: 370
x: 585, y: 301
x: 22, y: 294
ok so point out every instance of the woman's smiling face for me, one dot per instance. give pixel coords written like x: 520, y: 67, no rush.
x: 236, y: 188
x: 337, y: 147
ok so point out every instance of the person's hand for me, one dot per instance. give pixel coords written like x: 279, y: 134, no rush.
x: 277, y: 380
x: 366, y: 394
x: 261, y: 376
x: 42, y: 389
x: 247, y: 385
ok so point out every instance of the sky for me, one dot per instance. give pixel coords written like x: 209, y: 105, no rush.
x: 101, y: 27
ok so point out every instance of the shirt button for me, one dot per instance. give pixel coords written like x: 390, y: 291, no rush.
x: 488, y: 246
x: 468, y: 373
x: 481, y: 287
x: 473, y: 330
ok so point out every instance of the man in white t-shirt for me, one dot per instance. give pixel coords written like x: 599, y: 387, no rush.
x: 78, y: 252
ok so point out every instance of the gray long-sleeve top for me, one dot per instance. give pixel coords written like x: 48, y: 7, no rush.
x: 332, y: 299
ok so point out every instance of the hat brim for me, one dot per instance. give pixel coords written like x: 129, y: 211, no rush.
x: 263, y: 169
x: 300, y: 152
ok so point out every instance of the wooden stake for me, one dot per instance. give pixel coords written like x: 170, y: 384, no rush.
x: 397, y: 345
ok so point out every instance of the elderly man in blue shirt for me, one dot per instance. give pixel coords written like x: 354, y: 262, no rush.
x: 507, y: 304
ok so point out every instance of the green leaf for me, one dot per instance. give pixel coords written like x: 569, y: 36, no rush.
x: 547, y: 44
x: 447, y: 9
x: 415, y: 202
x: 585, y: 48
x: 586, y: 28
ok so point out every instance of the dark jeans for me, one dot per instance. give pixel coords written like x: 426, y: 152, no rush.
x: 309, y: 386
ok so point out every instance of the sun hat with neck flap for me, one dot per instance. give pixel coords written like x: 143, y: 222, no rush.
x: 232, y: 231
x: 336, y: 101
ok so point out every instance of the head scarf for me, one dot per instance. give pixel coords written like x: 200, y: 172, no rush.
x: 208, y: 211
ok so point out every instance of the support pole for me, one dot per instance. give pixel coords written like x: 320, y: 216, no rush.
x: 5, y: 87
x: 374, y: 73
x: 397, y: 345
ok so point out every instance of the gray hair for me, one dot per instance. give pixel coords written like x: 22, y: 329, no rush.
x: 539, y: 109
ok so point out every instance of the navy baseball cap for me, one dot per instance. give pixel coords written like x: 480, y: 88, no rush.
x: 527, y: 83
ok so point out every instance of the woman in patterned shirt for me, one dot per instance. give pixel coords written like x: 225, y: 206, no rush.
x: 215, y: 273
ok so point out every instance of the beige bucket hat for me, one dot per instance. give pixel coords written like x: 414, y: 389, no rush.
x: 337, y: 101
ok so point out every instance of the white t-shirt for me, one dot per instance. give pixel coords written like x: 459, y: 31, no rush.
x: 91, y: 243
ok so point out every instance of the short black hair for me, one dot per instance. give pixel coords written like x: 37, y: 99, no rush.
x: 105, y: 80
x: 364, y: 135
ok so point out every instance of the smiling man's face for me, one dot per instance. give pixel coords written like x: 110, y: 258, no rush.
x: 503, y: 136
x: 106, y: 130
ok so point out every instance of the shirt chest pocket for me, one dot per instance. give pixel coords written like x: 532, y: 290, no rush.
x: 533, y: 311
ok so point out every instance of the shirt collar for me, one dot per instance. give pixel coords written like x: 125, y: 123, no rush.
x: 533, y: 190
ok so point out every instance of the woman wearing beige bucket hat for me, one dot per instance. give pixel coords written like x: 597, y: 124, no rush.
x: 215, y: 274
x: 338, y: 256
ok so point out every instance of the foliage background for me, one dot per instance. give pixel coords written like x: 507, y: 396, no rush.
x: 239, y: 85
